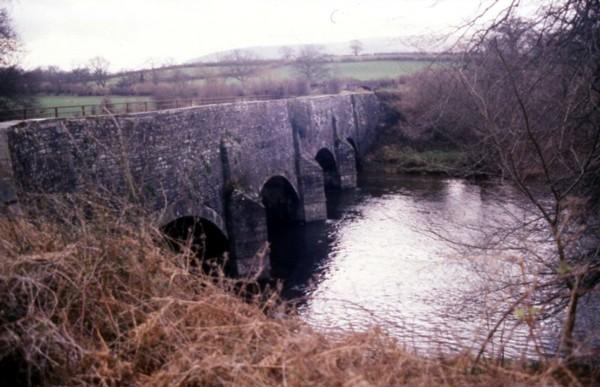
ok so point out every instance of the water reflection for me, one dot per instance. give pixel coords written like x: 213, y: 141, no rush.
x: 378, y: 260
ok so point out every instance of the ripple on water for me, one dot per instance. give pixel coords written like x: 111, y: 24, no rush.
x: 388, y: 259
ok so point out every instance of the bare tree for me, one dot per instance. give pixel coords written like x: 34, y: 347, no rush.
x: 167, y: 62
x: 54, y: 76
x: 99, y: 70
x: 533, y: 88
x: 524, y: 103
x: 154, y: 66
x: 311, y: 64
x: 16, y: 85
x: 80, y: 74
x: 287, y: 53
x: 356, y: 46
x: 8, y: 39
x: 241, y: 65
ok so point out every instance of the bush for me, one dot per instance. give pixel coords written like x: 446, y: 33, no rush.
x: 278, y: 88
x: 333, y: 86
x: 95, y: 297
x: 217, y: 88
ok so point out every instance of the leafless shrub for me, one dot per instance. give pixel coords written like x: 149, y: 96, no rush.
x: 526, y: 103
x: 217, y: 87
x: 333, y: 86
x: 95, y: 297
x: 278, y: 88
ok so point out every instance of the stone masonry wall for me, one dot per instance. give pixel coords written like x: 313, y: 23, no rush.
x: 207, y: 161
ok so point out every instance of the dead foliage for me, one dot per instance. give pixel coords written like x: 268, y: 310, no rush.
x: 96, y: 299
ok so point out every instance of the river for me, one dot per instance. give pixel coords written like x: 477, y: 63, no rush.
x: 392, y: 254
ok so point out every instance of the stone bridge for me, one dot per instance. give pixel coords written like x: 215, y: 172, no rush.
x: 238, y: 169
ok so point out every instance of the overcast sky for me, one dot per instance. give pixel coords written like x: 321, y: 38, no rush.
x: 129, y: 32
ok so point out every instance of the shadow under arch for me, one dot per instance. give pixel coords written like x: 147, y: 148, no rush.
x: 331, y: 175
x: 202, y: 230
x: 281, y: 201
x: 282, y: 210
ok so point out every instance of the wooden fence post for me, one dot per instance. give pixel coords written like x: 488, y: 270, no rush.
x: 83, y: 110
x: 56, y: 112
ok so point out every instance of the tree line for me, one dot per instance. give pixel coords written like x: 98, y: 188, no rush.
x: 161, y: 80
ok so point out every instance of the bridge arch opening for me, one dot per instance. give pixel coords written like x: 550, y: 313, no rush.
x: 282, y: 205
x: 207, y: 243
x: 356, y: 155
x: 331, y: 176
x: 280, y: 200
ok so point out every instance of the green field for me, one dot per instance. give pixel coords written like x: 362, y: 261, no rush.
x: 362, y: 71
x: 77, y: 106
x: 359, y: 70
x: 370, y: 70
x: 47, y: 101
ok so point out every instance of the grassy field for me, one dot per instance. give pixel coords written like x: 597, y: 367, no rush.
x: 397, y: 158
x: 360, y: 70
x: 363, y: 71
x: 77, y: 106
x: 46, y: 101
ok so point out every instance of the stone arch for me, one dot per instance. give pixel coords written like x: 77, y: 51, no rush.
x: 282, y: 209
x: 184, y: 208
x: 281, y: 200
x: 204, y: 230
x: 331, y: 173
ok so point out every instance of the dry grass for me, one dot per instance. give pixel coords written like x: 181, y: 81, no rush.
x: 97, y: 300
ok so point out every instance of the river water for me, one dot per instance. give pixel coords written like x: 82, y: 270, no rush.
x: 393, y: 254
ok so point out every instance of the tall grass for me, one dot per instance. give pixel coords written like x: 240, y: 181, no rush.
x: 94, y: 296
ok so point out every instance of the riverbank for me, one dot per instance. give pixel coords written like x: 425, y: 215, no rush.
x: 408, y: 143
x: 102, y: 302
x: 394, y: 158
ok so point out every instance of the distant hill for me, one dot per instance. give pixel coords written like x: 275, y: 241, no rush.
x: 405, y: 44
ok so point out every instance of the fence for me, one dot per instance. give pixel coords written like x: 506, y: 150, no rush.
x: 118, y: 108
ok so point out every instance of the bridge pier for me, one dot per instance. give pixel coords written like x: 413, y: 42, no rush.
x: 312, y: 189
x: 346, y: 162
x: 247, y: 228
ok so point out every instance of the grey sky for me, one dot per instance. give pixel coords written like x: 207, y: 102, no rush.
x: 129, y: 32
